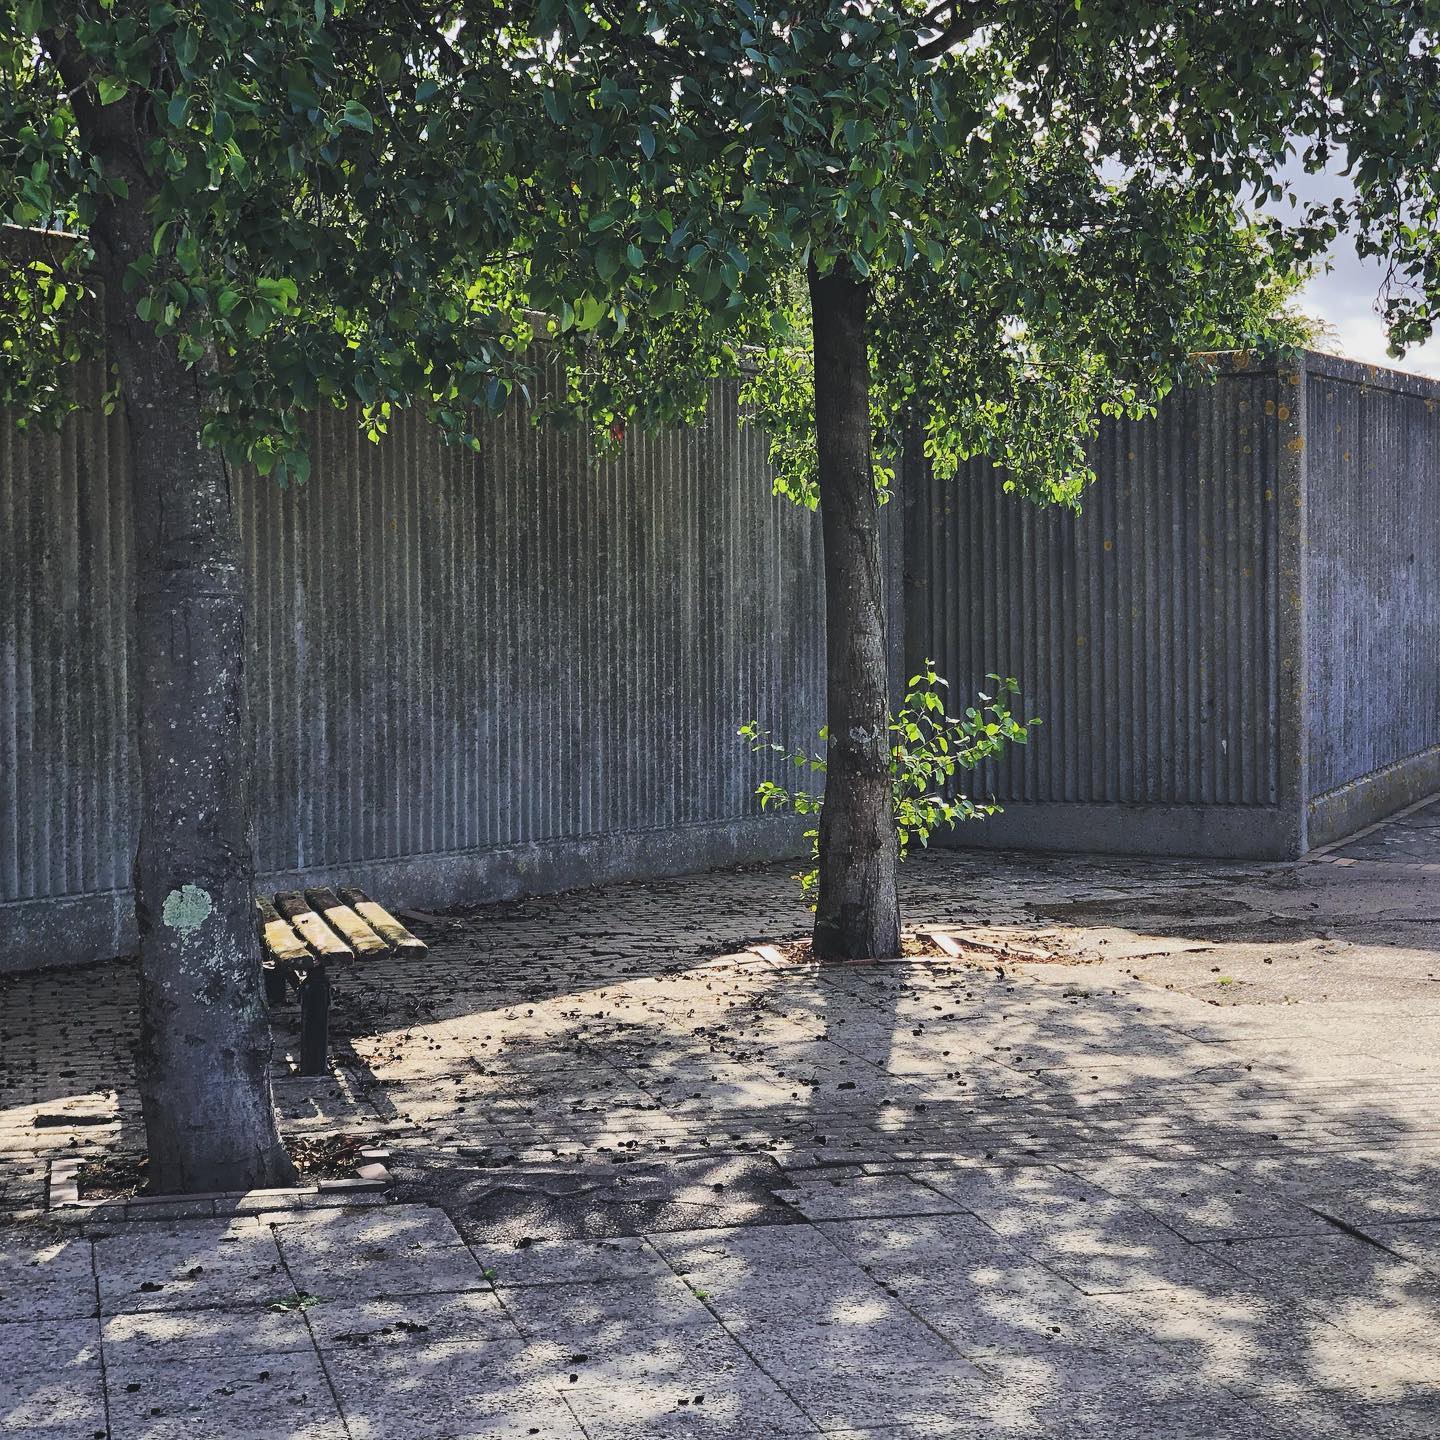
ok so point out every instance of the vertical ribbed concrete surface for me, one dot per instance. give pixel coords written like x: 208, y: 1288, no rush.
x: 471, y: 674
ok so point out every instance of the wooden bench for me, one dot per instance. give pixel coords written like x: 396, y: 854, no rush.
x: 307, y: 935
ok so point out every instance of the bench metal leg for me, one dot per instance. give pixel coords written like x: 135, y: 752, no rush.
x: 274, y: 985
x: 314, y: 1021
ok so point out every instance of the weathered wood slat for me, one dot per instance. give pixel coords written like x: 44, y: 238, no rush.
x: 383, y: 923
x: 346, y: 923
x: 313, y: 930
x: 282, y: 945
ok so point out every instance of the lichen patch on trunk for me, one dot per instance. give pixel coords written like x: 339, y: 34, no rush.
x: 187, y: 909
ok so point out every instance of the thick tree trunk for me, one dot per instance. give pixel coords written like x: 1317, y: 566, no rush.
x: 204, y: 1052
x: 857, y: 916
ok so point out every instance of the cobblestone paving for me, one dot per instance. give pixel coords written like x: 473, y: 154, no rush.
x: 1159, y: 1158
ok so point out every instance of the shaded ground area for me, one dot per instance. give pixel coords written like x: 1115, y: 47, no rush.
x: 1186, y: 1184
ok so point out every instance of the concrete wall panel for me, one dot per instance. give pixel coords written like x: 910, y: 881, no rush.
x: 481, y: 675
x: 471, y: 675
x: 1373, y: 592
x: 1142, y: 630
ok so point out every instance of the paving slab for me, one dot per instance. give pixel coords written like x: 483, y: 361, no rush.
x: 1219, y: 1417
x: 1412, y: 1419
x: 190, y: 1268
x: 393, y: 1251
x: 398, y: 1320
x: 181, y: 1396
x: 45, y: 1277
x: 569, y: 1262
x: 51, y: 1383
x: 1324, y: 1266
x: 212, y: 1331
x: 1204, y: 1202
x: 462, y: 1389
x: 600, y: 1309
x: 886, y: 1195
x: 875, y: 1365
x: 1048, y: 1315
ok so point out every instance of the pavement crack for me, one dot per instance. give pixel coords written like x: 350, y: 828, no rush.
x: 100, y: 1338
x: 314, y: 1338
x: 1353, y: 1231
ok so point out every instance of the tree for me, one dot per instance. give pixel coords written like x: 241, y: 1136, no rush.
x: 996, y: 221
x: 275, y: 206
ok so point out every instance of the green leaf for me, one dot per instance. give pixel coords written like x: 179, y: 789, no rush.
x: 588, y: 313
x: 607, y: 261
x: 358, y: 117
x: 112, y: 88
x: 281, y: 292
x: 287, y: 1303
x: 187, y: 47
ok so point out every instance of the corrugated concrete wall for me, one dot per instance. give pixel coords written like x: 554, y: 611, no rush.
x: 471, y: 676
x: 1373, y: 593
x: 479, y: 676
x: 1235, y: 647
x: 1143, y: 630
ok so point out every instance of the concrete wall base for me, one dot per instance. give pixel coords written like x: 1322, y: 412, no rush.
x: 1228, y: 832
x: 1362, y: 802
x: 67, y: 931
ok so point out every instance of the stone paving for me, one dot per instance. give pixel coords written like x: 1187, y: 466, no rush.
x: 1159, y: 1158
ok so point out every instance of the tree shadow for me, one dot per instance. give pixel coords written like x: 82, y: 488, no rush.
x: 1113, y: 1208
x: 914, y: 1199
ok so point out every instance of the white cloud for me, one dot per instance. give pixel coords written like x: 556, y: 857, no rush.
x: 1345, y: 298
x: 1345, y: 295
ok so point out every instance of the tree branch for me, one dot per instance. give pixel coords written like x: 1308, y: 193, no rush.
x: 961, y: 27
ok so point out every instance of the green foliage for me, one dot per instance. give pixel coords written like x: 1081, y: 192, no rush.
x: 331, y: 191
x: 38, y: 340
x: 1055, y: 206
x: 928, y: 746
x: 368, y: 204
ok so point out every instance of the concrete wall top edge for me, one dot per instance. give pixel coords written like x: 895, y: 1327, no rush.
x: 1374, y: 377
x: 1387, y: 378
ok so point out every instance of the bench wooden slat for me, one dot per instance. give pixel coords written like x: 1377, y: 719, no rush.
x: 346, y: 923
x: 313, y: 930
x: 281, y: 944
x: 383, y: 923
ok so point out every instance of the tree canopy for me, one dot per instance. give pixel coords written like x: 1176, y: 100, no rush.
x: 1014, y: 217
x: 1056, y: 206
x: 333, y: 197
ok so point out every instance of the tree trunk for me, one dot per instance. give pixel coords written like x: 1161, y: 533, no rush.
x: 857, y: 916
x: 204, y: 1052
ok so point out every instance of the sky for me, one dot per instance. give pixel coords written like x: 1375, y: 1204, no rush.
x: 1345, y: 296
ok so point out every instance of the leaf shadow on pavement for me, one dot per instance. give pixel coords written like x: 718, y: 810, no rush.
x: 911, y: 1200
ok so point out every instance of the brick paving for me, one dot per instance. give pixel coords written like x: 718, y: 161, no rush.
x: 1158, y: 1157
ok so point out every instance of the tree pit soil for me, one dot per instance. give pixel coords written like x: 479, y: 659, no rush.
x: 124, y: 1176
x: 982, y: 954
